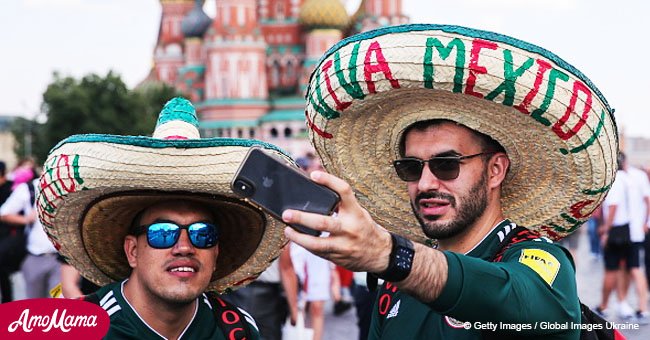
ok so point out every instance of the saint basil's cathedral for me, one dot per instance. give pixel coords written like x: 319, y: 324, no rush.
x: 247, y: 68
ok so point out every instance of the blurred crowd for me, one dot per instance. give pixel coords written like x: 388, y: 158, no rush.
x: 297, y: 287
x: 619, y: 236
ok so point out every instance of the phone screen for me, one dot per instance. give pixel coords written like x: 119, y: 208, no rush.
x: 275, y: 186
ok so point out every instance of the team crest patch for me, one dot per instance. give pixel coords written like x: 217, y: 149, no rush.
x: 542, y: 262
x: 453, y: 323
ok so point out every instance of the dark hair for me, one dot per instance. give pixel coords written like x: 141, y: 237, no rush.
x: 487, y: 143
x: 3, y: 168
x: 135, y: 223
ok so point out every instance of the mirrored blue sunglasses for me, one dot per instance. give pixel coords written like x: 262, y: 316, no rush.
x: 165, y: 234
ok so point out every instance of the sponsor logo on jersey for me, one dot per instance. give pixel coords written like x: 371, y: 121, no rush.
x: 393, y: 311
x: 542, y: 262
x: 453, y: 323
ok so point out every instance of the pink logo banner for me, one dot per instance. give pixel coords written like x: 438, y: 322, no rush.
x: 52, y: 319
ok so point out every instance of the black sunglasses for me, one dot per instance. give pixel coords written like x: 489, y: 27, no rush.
x: 165, y: 234
x: 444, y: 168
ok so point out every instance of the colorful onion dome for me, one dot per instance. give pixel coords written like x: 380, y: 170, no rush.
x: 196, y: 22
x: 323, y: 14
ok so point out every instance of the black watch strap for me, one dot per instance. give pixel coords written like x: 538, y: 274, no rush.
x: 400, y: 261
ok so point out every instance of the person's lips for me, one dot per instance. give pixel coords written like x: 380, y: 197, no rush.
x: 183, y: 268
x: 433, y: 206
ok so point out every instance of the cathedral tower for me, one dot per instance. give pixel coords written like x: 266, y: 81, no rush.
x: 168, y: 54
x: 236, y: 86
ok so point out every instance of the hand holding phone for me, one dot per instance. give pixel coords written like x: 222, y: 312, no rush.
x: 275, y: 186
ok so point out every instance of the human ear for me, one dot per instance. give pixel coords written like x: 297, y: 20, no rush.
x: 131, y: 250
x: 498, y: 169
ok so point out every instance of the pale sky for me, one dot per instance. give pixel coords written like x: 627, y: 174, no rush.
x: 602, y: 38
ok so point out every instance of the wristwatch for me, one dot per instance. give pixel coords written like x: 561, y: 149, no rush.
x: 400, y: 261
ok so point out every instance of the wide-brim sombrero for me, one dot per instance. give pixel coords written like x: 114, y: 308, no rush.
x: 555, y: 125
x: 94, y: 185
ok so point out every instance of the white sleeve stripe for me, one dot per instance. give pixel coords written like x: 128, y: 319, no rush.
x: 113, y: 310
x: 105, y: 298
x: 109, y: 303
x: 249, y: 318
x: 206, y: 300
x: 245, y: 312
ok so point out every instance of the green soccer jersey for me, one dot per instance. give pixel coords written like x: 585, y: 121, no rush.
x: 530, y: 293
x: 127, y: 324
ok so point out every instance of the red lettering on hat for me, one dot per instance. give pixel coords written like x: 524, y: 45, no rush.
x: 550, y: 232
x: 41, y: 183
x: 339, y: 105
x: 474, y: 67
x: 543, y: 67
x: 315, y: 128
x: 44, y: 186
x: 380, y: 66
x: 576, y: 209
x: 66, y: 180
x: 557, y: 127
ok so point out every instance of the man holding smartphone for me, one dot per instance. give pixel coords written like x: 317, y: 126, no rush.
x: 154, y: 221
x: 479, y: 147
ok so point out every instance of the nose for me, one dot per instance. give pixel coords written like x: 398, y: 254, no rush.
x: 184, y: 246
x: 428, y: 181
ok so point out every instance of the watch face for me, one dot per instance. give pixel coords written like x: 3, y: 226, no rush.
x: 400, y: 261
x: 404, y: 258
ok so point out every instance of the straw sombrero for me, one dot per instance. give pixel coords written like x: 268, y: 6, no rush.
x: 93, y: 185
x: 555, y: 125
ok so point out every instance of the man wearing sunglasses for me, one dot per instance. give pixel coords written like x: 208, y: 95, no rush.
x: 453, y: 180
x: 154, y: 222
x: 172, y: 248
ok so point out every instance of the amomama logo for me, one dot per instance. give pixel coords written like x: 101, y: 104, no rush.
x: 52, y: 319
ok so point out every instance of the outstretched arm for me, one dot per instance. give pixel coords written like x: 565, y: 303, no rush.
x: 451, y: 283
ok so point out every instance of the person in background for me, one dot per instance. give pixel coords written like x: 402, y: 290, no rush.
x: 272, y: 297
x: 346, y: 279
x: 318, y: 278
x: 40, y: 267
x: 646, y: 243
x: 319, y: 283
x: 595, y: 247
x: 364, y: 300
x: 24, y: 172
x: 638, y: 200
x: 73, y: 285
x: 6, y: 289
x: 619, y: 251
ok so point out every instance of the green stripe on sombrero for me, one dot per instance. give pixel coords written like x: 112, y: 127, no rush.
x: 149, y: 142
x: 470, y: 32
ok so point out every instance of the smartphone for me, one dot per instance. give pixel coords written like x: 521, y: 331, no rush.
x: 270, y: 183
